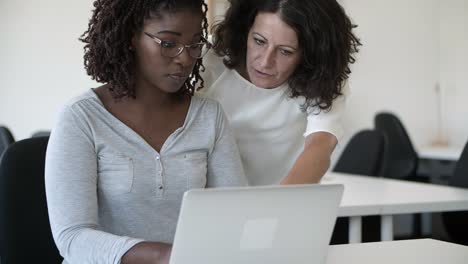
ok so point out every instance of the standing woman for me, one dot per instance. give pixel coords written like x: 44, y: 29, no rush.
x: 280, y: 73
x: 121, y: 156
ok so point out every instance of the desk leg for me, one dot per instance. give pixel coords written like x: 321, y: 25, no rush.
x: 355, y: 232
x: 386, y: 228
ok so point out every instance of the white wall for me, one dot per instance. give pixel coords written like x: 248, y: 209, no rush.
x: 397, y: 67
x: 409, y: 46
x: 41, y: 64
x: 454, y: 68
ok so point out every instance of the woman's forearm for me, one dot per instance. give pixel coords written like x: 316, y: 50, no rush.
x: 309, y: 168
x: 314, y: 160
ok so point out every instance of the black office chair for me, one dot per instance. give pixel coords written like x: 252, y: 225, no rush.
x: 362, y: 155
x: 6, y: 139
x: 400, y: 158
x: 41, y: 133
x: 25, y: 231
x: 455, y: 223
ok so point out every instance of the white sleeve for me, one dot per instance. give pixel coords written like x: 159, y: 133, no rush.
x: 328, y: 121
x: 71, y: 190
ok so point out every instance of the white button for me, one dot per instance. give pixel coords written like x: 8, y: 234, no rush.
x: 157, y: 157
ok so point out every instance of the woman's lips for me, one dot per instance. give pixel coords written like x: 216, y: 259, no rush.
x: 178, y: 77
x: 263, y: 74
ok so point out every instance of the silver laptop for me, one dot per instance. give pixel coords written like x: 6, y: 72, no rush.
x: 256, y: 225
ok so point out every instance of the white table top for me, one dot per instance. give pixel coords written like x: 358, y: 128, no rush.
x: 419, y: 251
x: 381, y: 196
x: 440, y: 153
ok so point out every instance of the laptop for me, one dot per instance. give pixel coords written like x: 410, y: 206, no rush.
x: 256, y: 225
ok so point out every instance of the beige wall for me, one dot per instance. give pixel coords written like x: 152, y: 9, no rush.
x: 216, y: 9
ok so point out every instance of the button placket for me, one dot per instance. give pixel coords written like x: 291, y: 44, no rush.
x: 160, y: 179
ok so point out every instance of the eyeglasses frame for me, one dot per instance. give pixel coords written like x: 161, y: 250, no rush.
x: 160, y: 42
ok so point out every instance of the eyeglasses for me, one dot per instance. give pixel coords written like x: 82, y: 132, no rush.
x: 172, y: 49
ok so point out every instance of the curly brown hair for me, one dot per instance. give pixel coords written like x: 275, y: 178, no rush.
x: 108, y: 56
x: 325, y: 36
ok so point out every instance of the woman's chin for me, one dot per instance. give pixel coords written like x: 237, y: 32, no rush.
x: 264, y: 84
x: 263, y: 81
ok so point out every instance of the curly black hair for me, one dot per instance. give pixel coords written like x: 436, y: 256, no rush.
x: 325, y: 37
x: 108, y: 55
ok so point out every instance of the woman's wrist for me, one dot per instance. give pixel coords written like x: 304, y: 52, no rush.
x: 148, y: 252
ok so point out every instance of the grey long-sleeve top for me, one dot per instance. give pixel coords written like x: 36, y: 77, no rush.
x: 108, y: 189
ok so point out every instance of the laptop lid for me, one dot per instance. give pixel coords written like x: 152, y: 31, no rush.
x: 268, y: 224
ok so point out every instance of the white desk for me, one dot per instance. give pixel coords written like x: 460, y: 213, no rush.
x: 452, y: 153
x: 386, y: 197
x: 420, y: 251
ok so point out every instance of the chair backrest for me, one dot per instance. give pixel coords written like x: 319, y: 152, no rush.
x: 400, y: 158
x: 25, y: 231
x: 460, y: 174
x: 455, y: 222
x: 363, y: 154
x: 41, y: 133
x: 6, y: 139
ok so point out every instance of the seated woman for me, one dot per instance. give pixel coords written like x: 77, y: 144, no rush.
x: 121, y: 156
x: 280, y: 75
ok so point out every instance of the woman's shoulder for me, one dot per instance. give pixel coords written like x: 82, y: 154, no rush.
x: 77, y: 100
x: 210, y: 109
x: 337, y: 104
x: 79, y: 105
x: 329, y: 120
x: 77, y: 113
x: 206, y: 104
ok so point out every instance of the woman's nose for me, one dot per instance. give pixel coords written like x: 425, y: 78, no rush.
x: 267, y: 59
